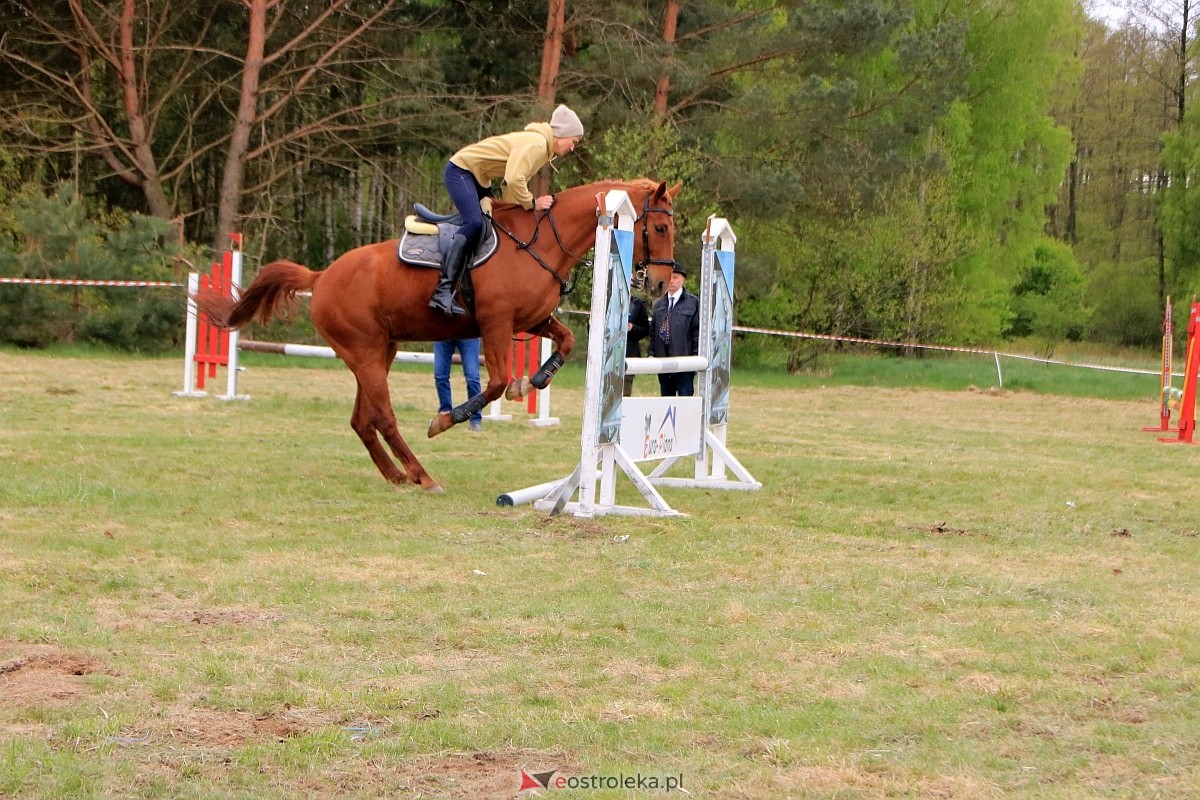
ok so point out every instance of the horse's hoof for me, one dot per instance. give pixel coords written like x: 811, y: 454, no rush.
x: 440, y: 423
x: 434, y: 488
x: 518, y: 389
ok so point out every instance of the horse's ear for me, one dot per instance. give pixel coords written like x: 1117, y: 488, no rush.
x: 663, y: 191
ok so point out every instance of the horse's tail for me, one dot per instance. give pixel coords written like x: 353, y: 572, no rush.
x: 276, y: 284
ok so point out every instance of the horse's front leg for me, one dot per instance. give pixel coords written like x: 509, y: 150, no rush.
x: 496, y: 357
x: 564, y: 343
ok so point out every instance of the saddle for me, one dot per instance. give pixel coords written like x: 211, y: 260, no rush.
x: 427, y: 236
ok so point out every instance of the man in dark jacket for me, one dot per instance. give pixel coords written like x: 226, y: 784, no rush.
x: 675, y: 332
x: 639, y: 326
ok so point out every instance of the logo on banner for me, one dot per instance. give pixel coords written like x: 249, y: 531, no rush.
x: 661, y: 442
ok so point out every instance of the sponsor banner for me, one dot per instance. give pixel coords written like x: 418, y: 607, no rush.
x: 654, y: 428
x: 722, y: 341
x: 612, y: 374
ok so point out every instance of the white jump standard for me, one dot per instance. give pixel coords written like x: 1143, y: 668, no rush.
x: 620, y: 432
x: 717, y: 259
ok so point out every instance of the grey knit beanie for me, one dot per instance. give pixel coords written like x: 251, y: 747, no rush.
x: 565, y: 123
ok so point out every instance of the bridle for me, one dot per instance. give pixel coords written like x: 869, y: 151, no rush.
x: 640, y: 268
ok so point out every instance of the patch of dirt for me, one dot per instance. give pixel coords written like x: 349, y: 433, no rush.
x: 567, y: 527
x: 229, y: 615
x: 980, y: 682
x: 232, y: 616
x: 452, y: 660
x: 453, y: 776
x: 36, y: 675
x: 488, y: 775
x: 477, y: 776
x: 215, y: 728
x: 25, y: 732
x: 942, y: 529
x: 168, y: 610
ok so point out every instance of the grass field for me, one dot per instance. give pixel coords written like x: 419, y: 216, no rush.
x: 939, y: 593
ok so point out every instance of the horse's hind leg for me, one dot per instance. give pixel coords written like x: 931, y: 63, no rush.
x: 360, y: 421
x: 564, y: 343
x: 373, y: 417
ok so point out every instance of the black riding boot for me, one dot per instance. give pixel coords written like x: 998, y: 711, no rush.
x: 452, y: 269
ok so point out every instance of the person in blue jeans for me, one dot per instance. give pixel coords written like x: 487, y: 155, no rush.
x: 443, y: 357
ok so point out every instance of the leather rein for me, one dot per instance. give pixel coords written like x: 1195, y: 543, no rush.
x: 565, y: 288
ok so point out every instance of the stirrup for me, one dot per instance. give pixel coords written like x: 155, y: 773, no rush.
x: 450, y: 309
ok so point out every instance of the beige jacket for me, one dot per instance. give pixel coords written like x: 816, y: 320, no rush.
x: 515, y: 157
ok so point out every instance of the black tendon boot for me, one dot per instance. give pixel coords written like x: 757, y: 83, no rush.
x: 452, y: 269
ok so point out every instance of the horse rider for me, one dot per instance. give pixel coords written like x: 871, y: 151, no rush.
x: 514, y: 157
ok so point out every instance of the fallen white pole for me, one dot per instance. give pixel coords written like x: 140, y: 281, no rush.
x: 520, y: 497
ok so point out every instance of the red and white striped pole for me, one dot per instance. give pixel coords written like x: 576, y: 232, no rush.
x: 1187, y: 407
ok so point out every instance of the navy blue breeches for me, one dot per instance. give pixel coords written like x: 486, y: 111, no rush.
x: 465, y: 193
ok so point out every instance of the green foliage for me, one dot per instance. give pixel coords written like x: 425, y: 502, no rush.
x: 886, y: 272
x: 9, y: 185
x: 626, y: 151
x: 1180, y: 208
x: 1127, y: 308
x: 914, y: 244
x: 55, y: 237
x: 1125, y: 214
x: 493, y: 43
x: 1007, y: 155
x: 1048, y: 300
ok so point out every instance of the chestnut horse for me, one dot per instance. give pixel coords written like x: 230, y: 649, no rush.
x: 367, y: 301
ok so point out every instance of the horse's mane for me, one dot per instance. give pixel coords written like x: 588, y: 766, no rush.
x: 636, y: 185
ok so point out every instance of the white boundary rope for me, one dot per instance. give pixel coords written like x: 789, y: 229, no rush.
x: 996, y: 354
x: 83, y: 282
x: 945, y: 348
